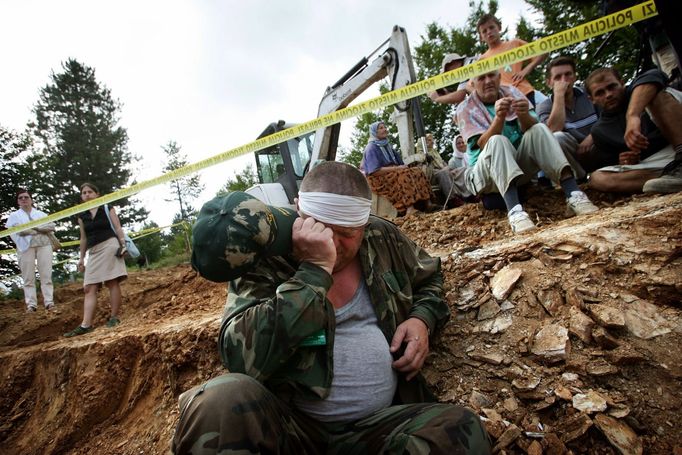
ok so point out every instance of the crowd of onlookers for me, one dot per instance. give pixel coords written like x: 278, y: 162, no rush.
x: 615, y: 137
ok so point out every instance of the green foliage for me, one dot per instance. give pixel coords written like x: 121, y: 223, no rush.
x: 12, y: 170
x: 14, y: 292
x: 436, y: 43
x: 359, y: 138
x: 184, y: 189
x: 619, y: 51
x: 78, y: 140
x: 178, y: 241
x: 349, y: 156
x: 241, y: 182
x: 150, y: 245
x: 168, y: 260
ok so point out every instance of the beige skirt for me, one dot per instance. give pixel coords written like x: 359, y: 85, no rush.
x: 103, y: 265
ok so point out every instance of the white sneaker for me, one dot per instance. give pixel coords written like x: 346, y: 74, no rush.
x: 519, y: 220
x: 579, y: 204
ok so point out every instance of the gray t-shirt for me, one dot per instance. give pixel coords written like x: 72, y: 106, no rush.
x: 364, y: 381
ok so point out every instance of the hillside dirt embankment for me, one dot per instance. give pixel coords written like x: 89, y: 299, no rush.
x: 564, y: 339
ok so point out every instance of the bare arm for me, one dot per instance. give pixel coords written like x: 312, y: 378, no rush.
x: 534, y: 63
x: 518, y: 77
x: 455, y: 97
x: 642, y: 95
x: 83, y: 246
x: 585, y: 146
x: 557, y: 117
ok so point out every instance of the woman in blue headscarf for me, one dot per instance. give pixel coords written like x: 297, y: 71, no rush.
x: 388, y: 176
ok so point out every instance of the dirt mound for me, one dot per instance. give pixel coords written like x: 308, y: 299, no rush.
x: 565, y: 338
x: 113, y: 390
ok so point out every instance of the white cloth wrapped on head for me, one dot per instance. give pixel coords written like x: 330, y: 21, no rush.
x: 336, y: 209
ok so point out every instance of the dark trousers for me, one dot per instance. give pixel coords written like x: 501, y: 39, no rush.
x: 235, y: 414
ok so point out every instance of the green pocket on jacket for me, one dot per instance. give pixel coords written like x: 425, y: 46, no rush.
x: 316, y: 339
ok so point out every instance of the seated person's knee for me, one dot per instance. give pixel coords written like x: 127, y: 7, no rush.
x: 662, y: 99
x: 562, y: 136
x: 224, y: 392
x: 498, y: 140
x: 602, y: 181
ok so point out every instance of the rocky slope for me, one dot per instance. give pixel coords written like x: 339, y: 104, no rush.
x: 564, y: 339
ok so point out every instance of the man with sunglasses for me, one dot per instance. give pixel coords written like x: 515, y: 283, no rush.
x: 327, y: 325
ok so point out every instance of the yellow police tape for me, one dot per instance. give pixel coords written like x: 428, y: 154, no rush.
x: 549, y: 43
x: 136, y: 235
x: 133, y: 235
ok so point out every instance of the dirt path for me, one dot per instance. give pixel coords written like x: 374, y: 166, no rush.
x: 594, y: 317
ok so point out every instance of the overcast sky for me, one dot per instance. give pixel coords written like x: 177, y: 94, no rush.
x: 209, y: 75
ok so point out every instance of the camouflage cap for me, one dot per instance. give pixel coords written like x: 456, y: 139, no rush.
x: 234, y: 232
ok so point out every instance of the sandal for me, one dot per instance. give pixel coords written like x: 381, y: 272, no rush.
x: 80, y: 330
x: 113, y: 322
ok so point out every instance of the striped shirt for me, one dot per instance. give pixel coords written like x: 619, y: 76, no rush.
x: 579, y: 120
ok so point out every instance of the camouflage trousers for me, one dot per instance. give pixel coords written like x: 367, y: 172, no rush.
x: 235, y: 414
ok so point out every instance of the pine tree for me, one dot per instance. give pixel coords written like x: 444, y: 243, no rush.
x: 78, y: 140
x: 184, y: 189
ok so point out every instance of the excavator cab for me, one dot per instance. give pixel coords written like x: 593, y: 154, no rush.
x: 282, y: 165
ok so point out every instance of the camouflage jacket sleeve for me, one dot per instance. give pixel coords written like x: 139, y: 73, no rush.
x: 405, y: 281
x: 269, y: 312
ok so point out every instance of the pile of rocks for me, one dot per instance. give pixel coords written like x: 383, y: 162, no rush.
x: 564, y: 346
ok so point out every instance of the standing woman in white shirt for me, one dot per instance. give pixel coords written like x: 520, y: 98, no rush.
x: 33, y: 245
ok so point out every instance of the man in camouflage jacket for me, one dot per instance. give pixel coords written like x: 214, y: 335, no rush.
x: 279, y: 331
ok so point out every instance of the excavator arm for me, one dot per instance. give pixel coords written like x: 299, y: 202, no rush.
x: 394, y: 63
x: 281, y: 167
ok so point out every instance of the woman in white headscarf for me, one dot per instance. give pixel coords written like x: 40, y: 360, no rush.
x: 459, y: 155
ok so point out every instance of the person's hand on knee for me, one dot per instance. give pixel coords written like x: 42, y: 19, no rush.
x: 633, y: 134
x: 628, y: 158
